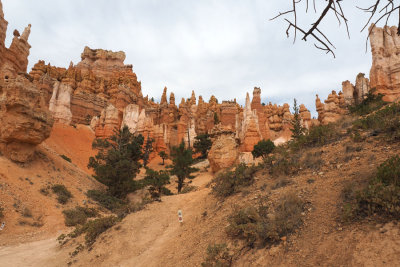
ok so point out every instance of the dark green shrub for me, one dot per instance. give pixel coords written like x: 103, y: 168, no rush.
x: 105, y: 200
x: 156, y: 180
x: 79, y: 215
x: 202, y: 144
x: 218, y: 255
x: 26, y: 213
x: 95, y: 227
x: 386, y: 121
x: 66, y: 158
x: 1, y: 212
x: 63, y: 194
x: 370, y: 104
x: 381, y: 196
x: 230, y: 182
x: 263, y: 148
x: 188, y: 189
x: 313, y: 161
x: 257, y: 226
x: 282, y: 164
x: 389, y: 171
x: 316, y: 136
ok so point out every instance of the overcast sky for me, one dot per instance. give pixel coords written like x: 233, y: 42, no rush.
x: 224, y: 48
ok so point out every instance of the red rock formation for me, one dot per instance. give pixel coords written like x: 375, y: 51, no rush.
x: 14, y: 59
x: 100, y: 79
x: 224, y: 152
x: 332, y: 110
x: 24, y: 118
x: 385, y: 70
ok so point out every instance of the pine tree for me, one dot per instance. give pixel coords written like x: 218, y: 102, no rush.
x: 148, y: 148
x: 157, y: 180
x: 297, y: 128
x: 163, y: 155
x: 181, y: 164
x: 117, y: 162
x: 202, y: 144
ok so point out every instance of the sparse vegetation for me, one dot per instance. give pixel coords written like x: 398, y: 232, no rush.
x: 1, y: 212
x: 66, y: 158
x: 257, y: 226
x: 380, y: 197
x: 202, y: 145
x: 313, y: 161
x: 263, y: 149
x: 385, y: 121
x: 45, y: 191
x: 78, y: 215
x: 63, y: 194
x: 230, y: 182
x: 26, y: 212
x: 188, y: 189
x: 282, y: 163
x: 282, y: 182
x: 370, y: 104
x: 117, y: 162
x: 316, y: 136
x: 218, y: 255
x: 92, y: 229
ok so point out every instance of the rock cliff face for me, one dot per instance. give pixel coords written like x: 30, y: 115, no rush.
x: 224, y: 152
x: 25, y: 120
x: 100, y: 79
x: 385, y: 71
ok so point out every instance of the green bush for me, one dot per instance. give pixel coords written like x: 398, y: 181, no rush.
x: 156, y: 180
x: 386, y: 121
x: 95, y: 227
x: 63, y: 194
x: 79, y: 215
x: 313, y: 161
x: 257, y: 226
x: 230, y: 182
x: 372, y: 103
x: 66, y: 158
x: 263, y: 148
x: 316, y: 136
x: 218, y: 255
x: 282, y: 163
x: 92, y: 229
x: 105, y: 200
x: 381, y: 196
x: 202, y: 144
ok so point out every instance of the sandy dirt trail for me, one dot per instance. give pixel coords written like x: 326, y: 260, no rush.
x: 149, y: 237
x: 143, y: 237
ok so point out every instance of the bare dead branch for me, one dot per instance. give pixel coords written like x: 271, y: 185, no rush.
x: 381, y: 10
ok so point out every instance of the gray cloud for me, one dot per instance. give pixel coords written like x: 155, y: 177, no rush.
x: 222, y: 47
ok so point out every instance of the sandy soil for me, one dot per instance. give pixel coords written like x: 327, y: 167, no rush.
x: 20, y: 186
